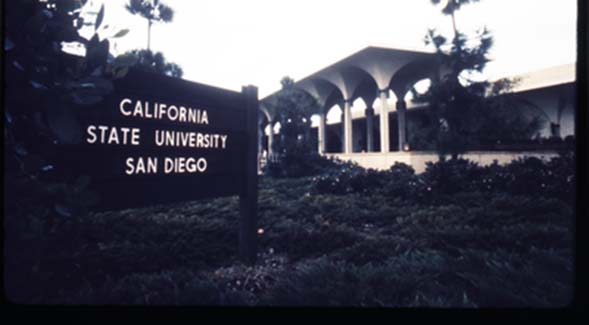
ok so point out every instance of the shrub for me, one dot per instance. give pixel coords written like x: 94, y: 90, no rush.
x: 302, y: 164
x: 338, y: 181
x: 526, y: 175
x: 397, y: 282
x: 531, y: 175
x: 401, y: 182
x: 305, y: 240
x: 561, y: 177
x: 451, y: 176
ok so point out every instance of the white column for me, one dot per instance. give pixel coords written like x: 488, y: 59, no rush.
x: 260, y: 134
x: 369, y: 129
x: 321, y: 133
x: 270, y: 139
x: 384, y: 121
x: 347, y: 126
x: 402, y: 123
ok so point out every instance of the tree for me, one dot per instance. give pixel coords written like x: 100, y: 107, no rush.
x: 44, y: 87
x: 293, y: 109
x: 462, y: 107
x: 153, y: 11
x: 154, y: 62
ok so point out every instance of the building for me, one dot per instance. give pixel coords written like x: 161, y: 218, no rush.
x: 367, y: 114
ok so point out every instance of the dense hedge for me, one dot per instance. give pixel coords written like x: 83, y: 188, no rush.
x: 489, y: 244
x: 555, y: 178
x: 302, y: 164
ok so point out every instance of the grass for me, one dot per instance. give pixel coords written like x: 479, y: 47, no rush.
x: 473, y: 250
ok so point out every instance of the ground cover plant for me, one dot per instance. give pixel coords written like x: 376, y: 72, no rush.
x: 457, y: 235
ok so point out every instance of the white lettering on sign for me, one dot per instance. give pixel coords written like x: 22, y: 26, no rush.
x: 141, y: 165
x: 176, y: 165
x: 112, y: 135
x: 180, y: 165
x: 160, y: 111
x: 190, y: 139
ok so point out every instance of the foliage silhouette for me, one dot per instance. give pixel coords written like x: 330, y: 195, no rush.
x: 44, y: 88
x: 294, y: 148
x: 153, y: 11
x: 154, y: 62
x: 464, y: 109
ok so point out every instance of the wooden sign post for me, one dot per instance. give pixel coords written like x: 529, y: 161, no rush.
x: 248, y: 199
x: 157, y: 140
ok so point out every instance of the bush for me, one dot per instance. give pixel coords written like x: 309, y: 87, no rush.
x: 302, y: 164
x: 561, y: 177
x: 526, y: 175
x: 339, y: 180
x: 303, y: 240
x: 555, y: 178
x: 397, y: 282
x: 451, y: 176
x: 399, y: 181
x: 444, y: 181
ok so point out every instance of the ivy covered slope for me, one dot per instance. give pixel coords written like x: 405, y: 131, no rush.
x: 458, y: 235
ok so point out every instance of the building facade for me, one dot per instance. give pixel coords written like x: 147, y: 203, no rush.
x: 367, y: 113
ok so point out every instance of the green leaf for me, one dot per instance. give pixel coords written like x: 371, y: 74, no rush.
x: 125, y: 60
x: 97, y: 72
x: 63, y: 210
x: 121, y: 72
x: 87, y: 199
x: 83, y: 99
x: 20, y: 150
x: 37, y: 85
x: 99, y: 17
x: 8, y: 117
x: 93, y: 86
x: 97, y: 54
x: 79, y: 22
x: 82, y: 182
x: 33, y: 163
x: 121, y: 33
x: 64, y: 126
x: 8, y: 45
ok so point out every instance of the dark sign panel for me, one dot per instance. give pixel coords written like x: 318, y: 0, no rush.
x: 157, y: 139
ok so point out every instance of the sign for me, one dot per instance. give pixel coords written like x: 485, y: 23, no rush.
x: 157, y: 139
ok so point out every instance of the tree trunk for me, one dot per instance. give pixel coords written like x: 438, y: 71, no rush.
x: 148, y: 34
x: 454, y: 26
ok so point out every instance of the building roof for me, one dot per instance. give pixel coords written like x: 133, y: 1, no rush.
x: 552, y: 76
x: 365, y: 72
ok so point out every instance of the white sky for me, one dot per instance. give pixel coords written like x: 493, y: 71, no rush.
x: 231, y: 43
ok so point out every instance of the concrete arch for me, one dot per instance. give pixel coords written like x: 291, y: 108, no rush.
x: 402, y: 81
x: 276, y: 127
x: 420, y: 87
x: 321, y: 90
x: 334, y: 112
x: 359, y: 105
x: 353, y: 78
x: 335, y: 98
x: 367, y: 73
x: 264, y: 109
x: 367, y: 90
